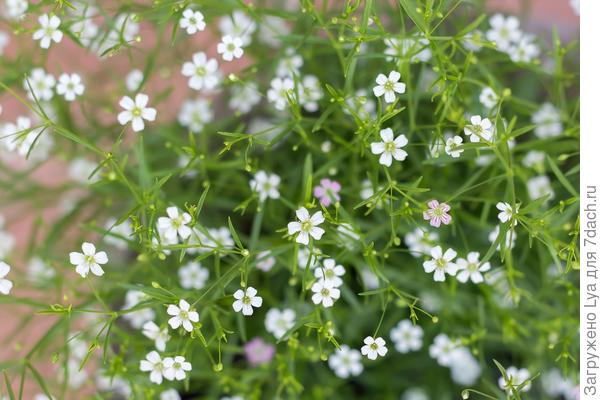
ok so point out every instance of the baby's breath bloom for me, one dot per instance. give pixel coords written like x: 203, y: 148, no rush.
x: 327, y: 192
x: 407, y: 336
x: 4, y: 40
x: 420, y: 241
x: 244, y: 97
x: 153, y: 364
x: 325, y: 292
x: 451, y: 146
x: 479, y: 129
x: 70, y: 86
x: 373, y: 348
x: 331, y: 272
x: 441, y: 264
x: 175, y: 368
x: 388, y: 86
x: 488, y: 97
x: 265, y: 260
x: 504, y: 31
x: 245, y: 300
x: 134, y: 79
x: 136, y: 111
x: 154, y: 332
x: 390, y: 147
x: 192, y: 275
x: 547, y: 121
x: 278, y: 322
x: 238, y: 24
x: 89, y: 260
x: 175, y: 224
x: 48, y: 31
x: 202, y: 71
x: 442, y: 349
x: 437, y: 213
x: 525, y: 50
x: 182, y: 316
x: 310, y: 93
x: 5, y: 284
x: 195, y: 114
x: 470, y: 268
x: 345, y: 362
x: 289, y: 65
x: 39, y: 85
x: 15, y: 9
x: 306, y: 225
x: 230, y: 48
x: 192, y: 21
x: 515, y: 377
x: 278, y: 94
x: 265, y: 185
x: 539, y: 186
x: 506, y: 213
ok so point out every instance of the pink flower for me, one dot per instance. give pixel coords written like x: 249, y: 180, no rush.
x: 437, y: 213
x: 258, y: 351
x: 327, y: 192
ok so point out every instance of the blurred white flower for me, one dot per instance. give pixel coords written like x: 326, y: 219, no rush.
x: 504, y: 31
x: 244, y: 97
x: 118, y: 235
x: 154, y: 332
x: 278, y: 322
x: 547, y: 121
x: 195, y: 114
x: 346, y: 362
x: 5, y: 284
x: 279, y: 92
x: 134, y: 79
x: 202, y: 71
x: 330, y: 271
x: 289, y: 65
x: 39, y: 85
x: 488, y: 98
x: 407, y: 336
x: 136, y: 318
x: 265, y: 261
x: 514, y: 378
x: 70, y: 86
x: 266, y: 185
x: 192, y: 275
x: 540, y: 186
x: 239, y: 24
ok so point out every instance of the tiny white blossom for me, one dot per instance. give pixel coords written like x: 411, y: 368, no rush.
x: 136, y: 111
x: 117, y: 235
x: 81, y: 169
x: 266, y: 185
x: 175, y: 224
x: 464, y: 369
x: 510, y: 239
x: 525, y: 50
x: 469, y: 268
x: 38, y: 271
x: 195, y: 114
x: 406, y: 336
x: 176, y: 368
x: 420, y: 241
x: 192, y: 21
x: 202, y: 71
x: 278, y: 322
x: 230, y: 48
x: 416, y: 49
x: 70, y: 86
x: 373, y: 348
x: 346, y: 362
x: 245, y: 300
x: 442, y: 349
x: 479, y: 129
x: 5, y: 284
x: 138, y: 317
x: 507, y: 213
x: 39, y: 85
x: 310, y: 93
x: 473, y: 40
x: 388, y: 86
x: 304, y: 256
x: 504, y: 32
x: 4, y: 40
x: 547, y: 121
x: 330, y: 271
x: 244, y: 97
x: 289, y: 65
x: 133, y: 80
x: 488, y: 98
x: 153, y: 364
x: 540, y: 186
x: 170, y: 394
x: 154, y: 332
x: 534, y: 159
x: 192, y: 275
x: 265, y: 261
x: 48, y: 31
x: 441, y: 263
x: 239, y: 24
x: 451, y: 146
x: 182, y: 316
x: 390, y: 147
x: 278, y: 94
x: 324, y: 292
x: 89, y: 260
x: 515, y: 378
x: 15, y: 9
x: 306, y: 226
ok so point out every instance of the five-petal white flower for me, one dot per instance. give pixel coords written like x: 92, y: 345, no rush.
x: 389, y: 147
x: 89, y: 260
x: 182, y: 316
x: 202, y: 71
x: 330, y: 271
x: 479, y: 129
x: 388, y: 86
x: 136, y: 111
x: 306, y: 225
x: 278, y: 322
x: 373, y: 348
x: 470, y: 268
x: 175, y: 224
x: 48, y: 31
x: 346, y: 362
x: 506, y: 213
x: 406, y: 336
x: 5, y: 284
x: 441, y: 263
x: 154, y: 332
x: 245, y: 300
x: 176, y: 367
x: 70, y: 86
x: 155, y: 365
x: 230, y: 48
x: 324, y: 292
x: 265, y: 185
x: 192, y: 21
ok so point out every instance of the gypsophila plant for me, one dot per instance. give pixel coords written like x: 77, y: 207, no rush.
x: 287, y: 200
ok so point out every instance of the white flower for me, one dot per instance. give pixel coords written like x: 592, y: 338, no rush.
x: 289, y: 65
x: 345, y: 362
x: 324, y: 292
x: 192, y: 21
x: 195, y: 114
x: 70, y: 86
x: 506, y: 213
x: 265, y: 261
x: 310, y: 93
x: 373, y: 348
x: 389, y: 147
x: 175, y: 224
x: 470, y: 268
x: 388, y: 86
x: 39, y: 84
x: 19, y: 137
x: 473, y: 40
x: 81, y: 169
x: 510, y: 239
x: 524, y: 51
x: 192, y: 275
x: 504, y: 31
x: 170, y: 394
x: 417, y: 49
x: 154, y: 332
x: 415, y: 394
x: 441, y: 263
x: 136, y: 111
x: 265, y: 185
x: 15, y: 9
x: 278, y: 322
x: 4, y: 39
x: 155, y: 365
x: 7, y: 240
x: 271, y: 29
x: 464, y: 369
x: 245, y: 300
x: 238, y: 25
x: 451, y: 146
x: 488, y: 98
x: 304, y: 255
x: 230, y: 48
x: 117, y: 235
x: 203, y: 72
x: 534, y: 158
x: 548, y: 122
x: 48, y: 31
x: 479, y: 129
x: 278, y: 94
x: 515, y: 377
x: 38, y: 271
x: 133, y: 80
x: 244, y: 97
x: 331, y: 272
x: 540, y: 186
x: 5, y: 284
x: 88, y: 260
x: 138, y: 317
x: 442, y: 349
x: 406, y: 336
x: 175, y: 368
x: 364, y: 107
x: 122, y: 30
x: 306, y: 225
x: 84, y: 28
x: 182, y: 316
